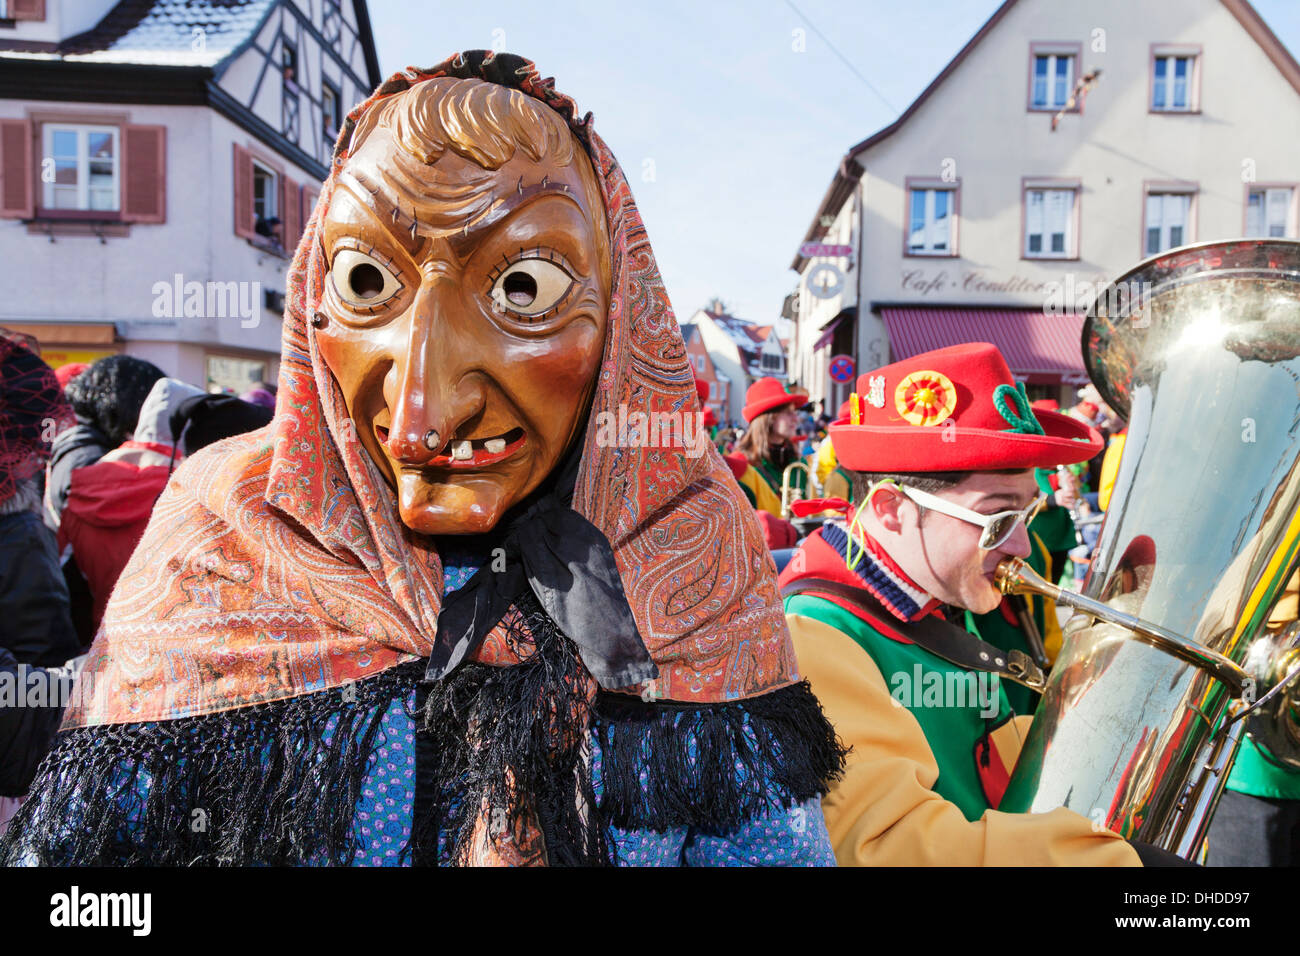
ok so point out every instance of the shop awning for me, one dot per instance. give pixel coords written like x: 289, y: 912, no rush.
x: 828, y: 330
x: 1041, y: 349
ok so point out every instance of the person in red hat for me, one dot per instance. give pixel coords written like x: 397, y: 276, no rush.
x: 767, y: 448
x: 710, y: 420
x: 942, y: 449
x: 834, y: 480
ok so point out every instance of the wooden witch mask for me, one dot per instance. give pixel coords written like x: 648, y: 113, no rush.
x: 465, y: 311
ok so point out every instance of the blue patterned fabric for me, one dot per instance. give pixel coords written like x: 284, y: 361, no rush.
x: 387, y: 804
x: 793, y: 837
x: 385, y: 811
x: 783, y: 837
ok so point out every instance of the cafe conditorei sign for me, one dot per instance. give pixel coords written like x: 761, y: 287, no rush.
x: 1066, y: 293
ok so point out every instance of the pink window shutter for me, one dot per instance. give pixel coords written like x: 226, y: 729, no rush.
x: 243, y: 191
x: 144, y: 174
x: 27, y: 9
x: 291, y: 213
x: 16, y: 179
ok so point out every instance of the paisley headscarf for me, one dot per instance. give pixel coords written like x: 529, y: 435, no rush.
x: 276, y: 565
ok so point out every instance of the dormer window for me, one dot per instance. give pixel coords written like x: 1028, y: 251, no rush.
x: 331, y: 107
x: 289, y: 62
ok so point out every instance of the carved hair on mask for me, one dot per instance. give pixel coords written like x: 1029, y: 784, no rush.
x: 466, y: 307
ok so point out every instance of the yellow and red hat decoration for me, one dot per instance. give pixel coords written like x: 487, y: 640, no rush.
x: 954, y: 409
x: 926, y: 397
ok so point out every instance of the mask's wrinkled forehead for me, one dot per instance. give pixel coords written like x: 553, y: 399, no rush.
x: 484, y: 123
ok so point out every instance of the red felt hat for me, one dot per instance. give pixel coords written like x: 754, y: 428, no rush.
x: 702, y: 389
x: 710, y: 419
x: 66, y: 373
x: 767, y: 394
x: 955, y: 409
x: 1046, y: 405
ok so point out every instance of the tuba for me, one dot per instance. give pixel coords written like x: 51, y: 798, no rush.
x: 1166, y: 661
x: 790, y: 491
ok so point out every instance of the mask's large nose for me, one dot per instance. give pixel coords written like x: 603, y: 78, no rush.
x: 436, y: 388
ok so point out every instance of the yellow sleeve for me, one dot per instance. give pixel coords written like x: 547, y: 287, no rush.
x: 836, y: 487
x: 825, y: 460
x: 764, y: 498
x: 1109, y: 469
x: 883, y: 811
x: 1052, y: 636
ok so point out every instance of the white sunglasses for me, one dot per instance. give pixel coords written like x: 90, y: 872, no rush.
x: 997, y: 527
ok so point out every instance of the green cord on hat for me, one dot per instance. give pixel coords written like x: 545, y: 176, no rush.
x: 1022, y: 418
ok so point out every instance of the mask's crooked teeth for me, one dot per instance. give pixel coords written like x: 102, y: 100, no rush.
x: 461, y: 451
x: 495, y: 445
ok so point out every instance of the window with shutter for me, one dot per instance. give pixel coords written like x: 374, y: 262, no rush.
x: 16, y: 175
x: 85, y: 166
x: 144, y: 183
x: 26, y: 9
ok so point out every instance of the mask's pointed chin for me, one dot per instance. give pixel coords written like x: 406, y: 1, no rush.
x: 435, y: 508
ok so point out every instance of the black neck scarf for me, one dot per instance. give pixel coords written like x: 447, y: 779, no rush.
x: 568, y: 563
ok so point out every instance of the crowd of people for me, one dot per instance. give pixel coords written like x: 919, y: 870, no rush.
x: 86, y: 452
x: 410, y: 606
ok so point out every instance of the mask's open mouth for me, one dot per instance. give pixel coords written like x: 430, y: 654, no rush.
x: 471, y: 453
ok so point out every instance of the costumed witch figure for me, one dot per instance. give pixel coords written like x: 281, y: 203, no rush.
x: 440, y: 611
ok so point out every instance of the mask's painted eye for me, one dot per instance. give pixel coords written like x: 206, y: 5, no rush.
x: 361, y: 280
x: 530, y: 287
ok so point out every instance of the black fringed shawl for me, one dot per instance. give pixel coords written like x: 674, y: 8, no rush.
x: 279, y: 783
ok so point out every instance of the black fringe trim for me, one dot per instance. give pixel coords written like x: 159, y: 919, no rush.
x: 691, y: 752
x: 509, y: 745
x: 254, y: 785
x: 260, y: 785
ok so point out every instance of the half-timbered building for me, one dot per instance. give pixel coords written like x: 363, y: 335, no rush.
x: 158, y: 160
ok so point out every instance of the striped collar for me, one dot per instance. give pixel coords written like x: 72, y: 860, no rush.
x: 880, y: 574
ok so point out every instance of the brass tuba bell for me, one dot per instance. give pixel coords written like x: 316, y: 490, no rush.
x: 1199, y: 349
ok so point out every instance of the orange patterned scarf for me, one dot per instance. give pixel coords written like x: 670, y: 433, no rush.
x: 275, y: 564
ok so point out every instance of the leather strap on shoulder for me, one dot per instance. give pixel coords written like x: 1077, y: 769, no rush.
x: 941, y: 638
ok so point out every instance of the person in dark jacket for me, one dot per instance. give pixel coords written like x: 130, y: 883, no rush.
x: 34, y: 703
x: 110, y: 502
x: 107, y: 398
x: 36, y: 630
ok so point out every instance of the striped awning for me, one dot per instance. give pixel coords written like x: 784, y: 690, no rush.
x: 1041, y: 349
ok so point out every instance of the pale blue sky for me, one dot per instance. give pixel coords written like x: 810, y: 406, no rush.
x: 743, y: 133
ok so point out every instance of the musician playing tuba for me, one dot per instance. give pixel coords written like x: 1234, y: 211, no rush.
x: 942, y: 466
